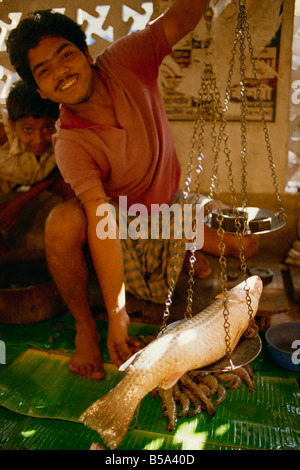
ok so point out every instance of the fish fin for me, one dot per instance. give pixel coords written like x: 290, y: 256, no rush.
x: 125, y: 366
x: 231, y: 297
x: 171, y: 380
x: 110, y: 416
x: 172, y: 325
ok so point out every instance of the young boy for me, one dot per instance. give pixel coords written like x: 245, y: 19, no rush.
x: 113, y: 140
x: 26, y: 152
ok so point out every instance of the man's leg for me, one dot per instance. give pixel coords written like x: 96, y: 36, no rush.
x: 65, y: 237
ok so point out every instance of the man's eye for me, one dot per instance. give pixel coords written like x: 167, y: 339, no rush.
x: 67, y: 54
x: 27, y: 130
x: 42, y: 72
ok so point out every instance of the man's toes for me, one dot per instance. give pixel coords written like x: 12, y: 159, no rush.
x: 87, y: 370
x: 93, y: 372
x: 98, y: 375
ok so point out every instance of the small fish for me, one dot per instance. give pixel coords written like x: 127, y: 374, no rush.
x: 169, y: 403
x: 211, y: 381
x: 221, y: 395
x: 194, y: 401
x: 189, y: 384
x: 190, y: 344
x: 233, y: 380
x: 182, y: 399
x: 244, y: 374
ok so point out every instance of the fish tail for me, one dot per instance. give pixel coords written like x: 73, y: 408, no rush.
x: 210, y: 408
x: 110, y: 416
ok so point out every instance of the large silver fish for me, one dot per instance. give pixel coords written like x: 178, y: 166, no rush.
x: 194, y: 343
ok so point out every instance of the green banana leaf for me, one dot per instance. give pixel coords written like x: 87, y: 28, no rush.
x: 41, y: 401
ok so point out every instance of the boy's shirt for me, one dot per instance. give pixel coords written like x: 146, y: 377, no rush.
x: 18, y: 166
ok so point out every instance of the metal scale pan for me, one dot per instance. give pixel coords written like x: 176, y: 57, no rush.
x: 244, y: 353
x: 253, y: 220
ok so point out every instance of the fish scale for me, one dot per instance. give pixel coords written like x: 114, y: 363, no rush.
x: 190, y: 344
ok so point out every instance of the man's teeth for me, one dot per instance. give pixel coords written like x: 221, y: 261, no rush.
x: 68, y: 84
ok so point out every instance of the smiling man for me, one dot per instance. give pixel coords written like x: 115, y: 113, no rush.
x: 50, y: 70
x: 113, y: 139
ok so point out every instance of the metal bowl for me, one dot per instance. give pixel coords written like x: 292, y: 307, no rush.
x: 27, y: 291
x: 283, y: 342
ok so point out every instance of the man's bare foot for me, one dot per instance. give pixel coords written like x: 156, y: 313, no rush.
x: 202, y: 267
x: 86, y: 360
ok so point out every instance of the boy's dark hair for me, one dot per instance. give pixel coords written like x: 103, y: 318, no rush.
x: 31, y: 29
x: 24, y: 101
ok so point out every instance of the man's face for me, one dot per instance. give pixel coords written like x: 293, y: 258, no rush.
x: 62, y: 72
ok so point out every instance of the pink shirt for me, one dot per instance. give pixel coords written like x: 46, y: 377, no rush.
x: 138, y: 158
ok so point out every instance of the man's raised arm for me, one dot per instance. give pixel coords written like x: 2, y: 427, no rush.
x: 182, y: 17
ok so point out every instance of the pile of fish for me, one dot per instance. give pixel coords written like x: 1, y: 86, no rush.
x: 191, y: 344
x: 198, y: 390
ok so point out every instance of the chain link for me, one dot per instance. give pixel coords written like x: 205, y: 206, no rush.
x: 209, y: 108
x: 202, y: 108
x: 263, y: 119
x: 239, y: 40
x: 168, y: 302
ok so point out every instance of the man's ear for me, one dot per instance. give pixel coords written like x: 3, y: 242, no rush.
x: 41, y: 94
x: 89, y: 57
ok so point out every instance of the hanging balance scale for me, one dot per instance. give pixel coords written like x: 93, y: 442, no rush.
x: 239, y: 219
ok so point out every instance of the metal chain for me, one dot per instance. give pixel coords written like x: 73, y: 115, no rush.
x: 252, y: 329
x: 217, y: 117
x: 240, y: 32
x: 197, y: 138
x: 168, y: 302
x: 263, y: 119
x: 208, y: 105
x: 186, y: 193
x: 204, y: 108
x: 239, y: 39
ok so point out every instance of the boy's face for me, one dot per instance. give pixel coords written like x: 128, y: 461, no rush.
x: 62, y: 72
x: 36, y: 134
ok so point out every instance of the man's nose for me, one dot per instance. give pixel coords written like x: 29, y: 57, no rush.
x: 61, y: 71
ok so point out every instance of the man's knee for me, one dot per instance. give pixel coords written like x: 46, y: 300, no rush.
x: 66, y: 222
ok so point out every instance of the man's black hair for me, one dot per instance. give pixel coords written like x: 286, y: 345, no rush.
x: 24, y: 101
x: 29, y: 32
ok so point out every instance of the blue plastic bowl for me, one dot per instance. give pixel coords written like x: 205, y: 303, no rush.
x: 283, y: 342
